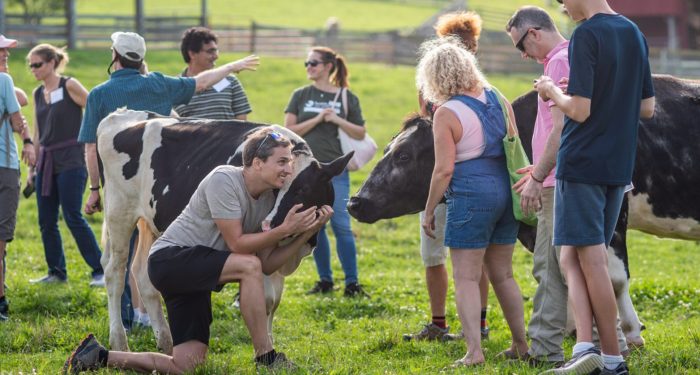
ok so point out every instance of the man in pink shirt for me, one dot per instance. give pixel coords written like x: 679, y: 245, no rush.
x: 534, y: 34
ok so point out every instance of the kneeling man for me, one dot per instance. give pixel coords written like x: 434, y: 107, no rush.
x: 213, y: 242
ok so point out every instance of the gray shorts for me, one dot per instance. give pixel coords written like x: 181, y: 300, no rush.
x: 433, y: 250
x: 9, y: 200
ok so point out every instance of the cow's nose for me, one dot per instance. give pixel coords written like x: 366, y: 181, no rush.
x: 354, y: 204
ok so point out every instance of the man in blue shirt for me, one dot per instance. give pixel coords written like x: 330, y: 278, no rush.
x: 10, y: 121
x: 130, y: 86
x: 609, y: 88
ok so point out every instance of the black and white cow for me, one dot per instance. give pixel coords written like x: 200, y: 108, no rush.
x: 665, y: 201
x: 152, y: 165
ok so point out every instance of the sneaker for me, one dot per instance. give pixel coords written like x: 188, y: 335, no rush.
x: 3, y: 317
x: 281, y: 362
x: 485, y: 333
x: 98, y: 281
x: 429, y: 332
x: 621, y: 369
x: 354, y: 290
x: 322, y: 287
x: 48, y: 279
x: 85, y: 357
x: 584, y: 363
x: 4, y: 307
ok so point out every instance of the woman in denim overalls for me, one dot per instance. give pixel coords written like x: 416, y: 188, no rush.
x: 470, y: 172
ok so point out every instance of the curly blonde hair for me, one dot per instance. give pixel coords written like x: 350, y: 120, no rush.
x: 445, y: 69
x: 465, y: 25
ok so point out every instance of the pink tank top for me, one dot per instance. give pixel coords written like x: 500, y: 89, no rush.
x: 472, y: 143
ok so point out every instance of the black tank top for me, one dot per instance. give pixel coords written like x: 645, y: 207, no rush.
x: 58, y: 122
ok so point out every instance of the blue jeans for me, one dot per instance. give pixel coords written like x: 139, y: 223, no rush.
x: 344, y: 239
x: 67, y: 192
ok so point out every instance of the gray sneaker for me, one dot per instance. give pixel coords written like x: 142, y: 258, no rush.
x: 621, y: 369
x: 85, y: 357
x: 98, y: 281
x: 584, y: 363
x: 430, y: 332
x: 48, y: 279
x: 281, y: 362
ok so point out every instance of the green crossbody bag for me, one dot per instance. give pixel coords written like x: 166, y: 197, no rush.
x: 516, y: 158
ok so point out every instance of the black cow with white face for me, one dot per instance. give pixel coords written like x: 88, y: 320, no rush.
x: 152, y: 165
x: 665, y: 201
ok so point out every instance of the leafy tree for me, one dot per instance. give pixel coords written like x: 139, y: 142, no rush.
x: 34, y: 10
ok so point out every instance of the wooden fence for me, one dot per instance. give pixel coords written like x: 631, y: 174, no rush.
x: 496, y: 51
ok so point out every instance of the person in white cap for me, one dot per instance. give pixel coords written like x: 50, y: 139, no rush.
x: 129, y: 87
x: 11, y: 120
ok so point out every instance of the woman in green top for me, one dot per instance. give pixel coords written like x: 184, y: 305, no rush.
x: 315, y: 112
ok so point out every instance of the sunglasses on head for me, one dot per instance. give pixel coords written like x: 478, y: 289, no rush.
x: 311, y: 63
x: 274, y: 135
x: 36, y: 65
x: 520, y: 46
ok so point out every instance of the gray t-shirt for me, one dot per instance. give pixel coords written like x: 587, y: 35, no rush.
x: 221, y: 195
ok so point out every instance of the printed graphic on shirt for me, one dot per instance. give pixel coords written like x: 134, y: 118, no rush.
x: 318, y: 106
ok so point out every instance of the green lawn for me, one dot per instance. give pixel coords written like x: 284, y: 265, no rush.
x: 367, y: 15
x: 333, y: 335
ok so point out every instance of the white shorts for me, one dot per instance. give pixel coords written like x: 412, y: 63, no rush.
x: 433, y: 250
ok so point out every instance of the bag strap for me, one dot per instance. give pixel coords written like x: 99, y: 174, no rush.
x: 511, y: 130
x: 344, y: 99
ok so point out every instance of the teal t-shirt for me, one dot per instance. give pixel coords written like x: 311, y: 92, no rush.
x: 306, y: 103
x: 8, y: 105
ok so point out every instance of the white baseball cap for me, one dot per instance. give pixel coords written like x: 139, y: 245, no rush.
x: 130, y: 45
x: 7, y: 42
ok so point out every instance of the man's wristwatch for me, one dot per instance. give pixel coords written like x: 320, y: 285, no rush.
x: 94, y: 188
x: 28, y: 141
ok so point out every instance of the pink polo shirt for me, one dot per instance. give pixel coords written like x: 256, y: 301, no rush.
x: 556, y: 66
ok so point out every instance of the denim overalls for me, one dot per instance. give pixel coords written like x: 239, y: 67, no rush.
x: 479, y: 205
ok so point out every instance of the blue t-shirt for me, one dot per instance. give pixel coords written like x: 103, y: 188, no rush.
x: 128, y: 88
x: 609, y: 61
x: 8, y: 105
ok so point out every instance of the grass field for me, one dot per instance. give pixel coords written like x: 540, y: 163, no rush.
x: 353, y: 14
x: 333, y: 335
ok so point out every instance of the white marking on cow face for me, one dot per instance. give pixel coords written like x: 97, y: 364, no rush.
x: 399, y: 138
x: 641, y: 217
x: 167, y: 188
x: 300, y: 162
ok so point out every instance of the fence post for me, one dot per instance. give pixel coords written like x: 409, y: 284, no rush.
x: 253, y: 31
x: 140, y: 18
x: 2, y: 17
x: 204, y: 19
x: 71, y: 25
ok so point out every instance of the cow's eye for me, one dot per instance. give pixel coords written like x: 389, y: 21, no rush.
x: 403, y: 157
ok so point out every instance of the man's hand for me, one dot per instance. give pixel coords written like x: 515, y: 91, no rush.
x: 299, y: 222
x: 247, y: 63
x: 29, y: 155
x: 428, y: 224
x: 518, y: 186
x: 543, y: 85
x: 324, y: 214
x: 94, y: 203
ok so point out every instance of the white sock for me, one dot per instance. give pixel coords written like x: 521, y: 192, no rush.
x: 582, y: 347
x: 137, y: 315
x: 612, y: 361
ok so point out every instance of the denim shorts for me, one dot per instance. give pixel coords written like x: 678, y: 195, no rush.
x: 585, y: 214
x: 480, y: 213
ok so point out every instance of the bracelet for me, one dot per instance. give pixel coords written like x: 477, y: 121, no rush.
x: 94, y: 188
x: 532, y: 176
x: 28, y: 141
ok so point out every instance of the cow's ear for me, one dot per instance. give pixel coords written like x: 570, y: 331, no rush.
x: 337, y: 166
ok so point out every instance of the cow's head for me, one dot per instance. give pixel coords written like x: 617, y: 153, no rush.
x: 399, y: 183
x: 310, y: 185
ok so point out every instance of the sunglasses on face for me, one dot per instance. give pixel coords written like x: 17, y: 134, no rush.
x: 520, y: 46
x: 274, y: 135
x: 36, y: 65
x: 311, y: 63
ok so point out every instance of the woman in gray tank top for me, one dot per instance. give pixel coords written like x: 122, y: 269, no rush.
x: 60, y: 172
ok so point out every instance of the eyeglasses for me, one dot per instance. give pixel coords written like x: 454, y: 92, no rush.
x: 311, y: 63
x: 520, y: 46
x: 274, y: 135
x: 36, y: 65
